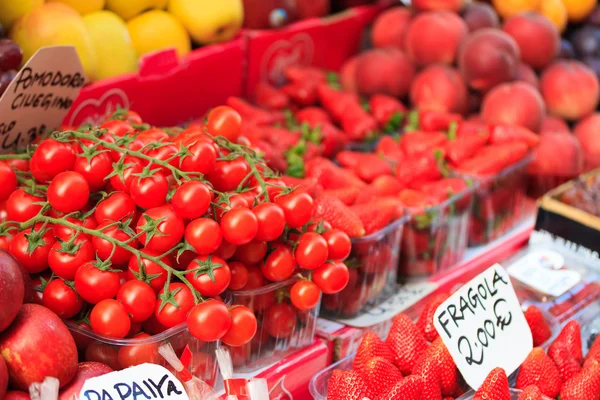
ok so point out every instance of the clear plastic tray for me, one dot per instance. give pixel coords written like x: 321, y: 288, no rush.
x: 589, y: 320
x: 282, y: 328
x: 318, y: 384
x: 437, y: 240
x: 373, y: 271
x: 500, y: 203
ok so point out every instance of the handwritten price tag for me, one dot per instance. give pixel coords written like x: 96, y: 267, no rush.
x: 39, y: 97
x: 145, y: 381
x: 483, y: 326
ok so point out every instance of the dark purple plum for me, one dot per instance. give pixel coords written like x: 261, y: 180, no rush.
x: 11, y: 55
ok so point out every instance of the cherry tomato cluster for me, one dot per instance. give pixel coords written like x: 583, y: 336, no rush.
x: 128, y: 228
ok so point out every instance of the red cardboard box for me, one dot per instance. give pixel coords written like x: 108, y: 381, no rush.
x: 321, y: 42
x: 167, y: 91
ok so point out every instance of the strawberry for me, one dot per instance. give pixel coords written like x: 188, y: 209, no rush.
x: 416, y: 201
x: 422, y: 168
x: 303, y: 93
x: 371, y: 166
x: 251, y: 114
x: 531, y: 393
x: 445, y: 188
x: 334, y: 101
x: 329, y: 175
x: 539, y: 369
x: 409, y: 388
x: 297, y: 73
x: 464, y: 147
x: 380, y: 374
x: 473, y: 128
x: 504, y: 133
x: 269, y: 97
x: 313, y: 116
x: 375, y: 215
x: 566, y: 351
x: 415, y: 143
x: 593, y: 354
x: 495, y: 386
x: 390, y: 148
x: 493, y: 159
x: 310, y: 185
x: 349, y: 159
x: 371, y: 346
x: 339, y: 216
x: 334, y: 139
x: 540, y: 330
x: 437, y: 361
x: 357, y: 123
x: 388, y: 112
x: 583, y: 386
x: 430, y: 121
x: 406, y: 343
x: 425, y: 321
x: 348, y: 385
x: 347, y: 195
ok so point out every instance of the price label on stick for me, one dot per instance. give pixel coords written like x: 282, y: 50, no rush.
x: 142, y: 382
x: 483, y: 326
x: 39, y: 97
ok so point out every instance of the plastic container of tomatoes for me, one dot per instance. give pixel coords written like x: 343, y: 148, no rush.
x: 123, y: 353
x: 436, y: 238
x: 554, y: 278
x: 373, y: 272
x: 318, y: 384
x: 500, y: 203
x: 282, y: 328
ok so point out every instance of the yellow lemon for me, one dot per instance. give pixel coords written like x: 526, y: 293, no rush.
x: 157, y: 30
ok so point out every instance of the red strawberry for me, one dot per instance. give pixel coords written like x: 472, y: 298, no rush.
x: 406, y: 343
x: 566, y: 351
x: 540, y: 330
x: 348, y: 385
x: 464, y: 147
x: 347, y: 195
x: 313, y: 116
x: 339, y: 216
x: 349, y: 159
x: 270, y: 97
x: 334, y: 139
x: 388, y: 111
x: 329, y: 175
x: 437, y: 361
x: 593, y: 354
x: 539, y: 369
x: 310, y: 185
x: 371, y: 166
x: 425, y: 321
x: 416, y: 201
x: 430, y: 121
x: 570, y: 336
x: 415, y: 143
x: 380, y: 374
x: 390, y: 148
x: 377, y: 214
x: 532, y: 393
x: 493, y: 159
x: 445, y: 188
x: 583, y: 386
x: 513, y: 133
x: 304, y: 93
x: 371, y: 346
x: 409, y: 388
x: 335, y: 101
x: 495, y: 386
x: 422, y: 168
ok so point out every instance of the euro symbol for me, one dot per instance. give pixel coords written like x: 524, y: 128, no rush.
x: 502, y: 320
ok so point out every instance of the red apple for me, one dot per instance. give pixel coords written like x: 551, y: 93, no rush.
x: 389, y: 29
x: 537, y: 38
x: 85, y: 370
x: 516, y: 103
x: 439, y: 88
x: 38, y: 344
x: 435, y: 37
x: 570, y: 89
x: 479, y: 16
x: 557, y: 155
x: 588, y: 133
x: 384, y: 71
x: 12, y: 289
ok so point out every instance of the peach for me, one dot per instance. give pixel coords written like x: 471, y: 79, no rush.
x: 439, y: 88
x: 348, y: 75
x: 540, y: 51
x: 527, y: 74
x: 570, y: 89
x: 588, y: 133
x: 384, y: 71
x: 552, y: 124
x: 438, y: 5
x: 389, y: 29
x: 516, y: 103
x: 488, y: 58
x: 435, y: 37
x: 479, y: 16
x: 557, y: 155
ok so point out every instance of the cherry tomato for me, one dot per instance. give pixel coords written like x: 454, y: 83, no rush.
x: 64, y: 233
x: 226, y: 250
x: 117, y: 127
x: 65, y: 258
x: 8, y: 179
x: 203, y: 158
x: 279, y: 265
x: 149, y: 192
x: 251, y: 253
x: 62, y: 299
x: 305, y: 295
x: 338, y: 244
x: 131, y: 167
x: 298, y: 208
x: 109, y: 318
x: 312, y: 251
x: 204, y: 235
x: 117, y: 207
x: 172, y: 308
x: 243, y: 327
x: 137, y: 354
x: 255, y: 278
x: 153, y: 272
x: 280, y: 320
x: 95, y: 285
x: 18, y: 165
x: 168, y: 228
x: 201, y: 280
x: 331, y: 278
x: 224, y: 121
x: 164, y: 153
x: 104, y: 249
x: 37, y: 260
x: 239, y: 226
x: 191, y: 200
x: 325, y: 226
x: 95, y: 170
x: 237, y: 201
x: 271, y: 221
x: 21, y: 207
x: 5, y: 240
x: 138, y: 298
x: 228, y: 174
x: 53, y: 157
x: 68, y: 192
x: 239, y: 275
x: 209, y: 321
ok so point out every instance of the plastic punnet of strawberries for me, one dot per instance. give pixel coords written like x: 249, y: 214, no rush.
x: 130, y: 229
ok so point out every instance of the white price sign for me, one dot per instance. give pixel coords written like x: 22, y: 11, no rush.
x: 145, y: 381
x: 40, y: 96
x: 483, y: 326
